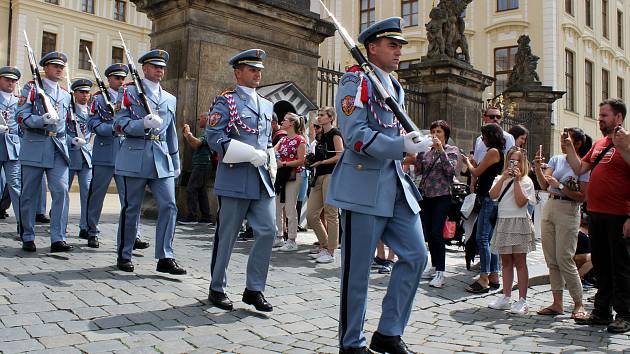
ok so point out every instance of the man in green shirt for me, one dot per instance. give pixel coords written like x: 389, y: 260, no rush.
x: 196, y: 190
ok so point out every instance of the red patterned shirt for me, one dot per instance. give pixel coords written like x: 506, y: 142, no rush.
x: 288, y: 149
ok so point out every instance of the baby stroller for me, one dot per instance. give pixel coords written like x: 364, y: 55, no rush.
x: 459, y: 192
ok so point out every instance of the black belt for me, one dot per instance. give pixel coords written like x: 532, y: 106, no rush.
x: 45, y: 132
x: 559, y: 197
x: 146, y: 137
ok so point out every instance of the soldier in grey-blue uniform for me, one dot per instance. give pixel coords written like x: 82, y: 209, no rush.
x: 43, y: 149
x: 239, y: 130
x: 106, y: 146
x: 9, y: 138
x: 377, y: 199
x: 79, y: 147
x: 149, y: 156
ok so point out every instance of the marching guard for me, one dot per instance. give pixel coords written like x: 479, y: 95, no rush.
x: 378, y: 201
x: 239, y: 130
x: 106, y: 146
x: 44, y: 149
x: 9, y: 138
x: 78, y: 137
x: 149, y: 156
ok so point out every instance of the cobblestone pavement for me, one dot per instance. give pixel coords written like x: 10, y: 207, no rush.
x: 79, y: 302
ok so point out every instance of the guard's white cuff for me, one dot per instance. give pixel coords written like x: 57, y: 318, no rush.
x: 238, y: 152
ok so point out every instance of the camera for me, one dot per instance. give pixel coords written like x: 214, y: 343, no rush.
x: 310, y: 159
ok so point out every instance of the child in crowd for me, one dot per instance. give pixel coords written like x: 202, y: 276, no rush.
x: 514, y: 232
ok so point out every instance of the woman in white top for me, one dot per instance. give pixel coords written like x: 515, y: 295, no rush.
x: 560, y: 223
x: 514, y: 232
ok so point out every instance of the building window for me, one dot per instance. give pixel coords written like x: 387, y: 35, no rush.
x: 605, y: 83
x: 49, y: 42
x: 503, y: 64
x: 504, y: 5
x: 410, y: 12
x: 54, y: 2
x: 87, y: 6
x: 569, y: 74
x: 120, y: 8
x: 588, y: 88
x: 588, y: 9
x: 368, y: 14
x: 605, y: 18
x: 619, y: 29
x: 620, y: 88
x: 117, y: 55
x: 83, y: 58
x: 568, y: 6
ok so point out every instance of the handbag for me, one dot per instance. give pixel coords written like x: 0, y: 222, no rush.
x: 494, y: 214
x: 468, y: 205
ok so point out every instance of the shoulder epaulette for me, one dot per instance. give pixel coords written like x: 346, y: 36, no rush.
x: 354, y: 69
x: 131, y: 83
x: 63, y: 88
x: 227, y: 91
x: 97, y: 93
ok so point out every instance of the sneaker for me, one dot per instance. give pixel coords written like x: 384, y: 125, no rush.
x: 315, y: 251
x: 289, y: 246
x: 325, y: 258
x: 188, y: 220
x: 386, y: 268
x: 428, y: 273
x: 520, y: 307
x: 318, y: 254
x: 278, y: 242
x: 438, y: 280
x: 501, y: 303
x: 377, y: 262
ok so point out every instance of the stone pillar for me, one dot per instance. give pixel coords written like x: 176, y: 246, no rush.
x: 201, y: 35
x: 534, y: 109
x: 452, y: 91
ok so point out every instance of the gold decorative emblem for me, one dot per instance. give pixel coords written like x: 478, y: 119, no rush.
x: 347, y: 105
x: 214, y: 119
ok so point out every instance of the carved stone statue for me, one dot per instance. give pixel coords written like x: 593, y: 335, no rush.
x: 524, y: 71
x: 445, y: 30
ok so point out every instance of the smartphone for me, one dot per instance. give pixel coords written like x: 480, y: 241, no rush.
x: 512, y: 164
x: 617, y: 128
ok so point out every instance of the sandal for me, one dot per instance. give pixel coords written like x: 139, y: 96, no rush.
x: 593, y: 319
x: 548, y: 311
x: 619, y: 326
x: 579, y: 315
x: 494, y: 286
x: 477, y: 288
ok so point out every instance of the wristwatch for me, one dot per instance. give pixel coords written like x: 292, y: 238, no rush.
x: 561, y: 186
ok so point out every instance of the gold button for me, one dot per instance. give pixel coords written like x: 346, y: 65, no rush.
x: 101, y: 144
x: 359, y: 167
x: 231, y: 165
x: 129, y: 147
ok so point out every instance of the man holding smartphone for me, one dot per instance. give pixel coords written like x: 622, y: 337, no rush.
x: 609, y: 212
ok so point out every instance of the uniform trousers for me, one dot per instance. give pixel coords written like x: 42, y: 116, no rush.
x: 261, y: 216
x: 361, y: 232
x: 41, y: 208
x: 163, y: 190
x: 30, y: 198
x: 84, y: 176
x: 101, y: 178
x: 12, y: 184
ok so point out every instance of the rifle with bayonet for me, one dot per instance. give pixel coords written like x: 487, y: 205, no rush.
x: 37, y: 82
x: 101, y: 85
x: 400, y: 114
x: 73, y: 107
x: 136, y: 78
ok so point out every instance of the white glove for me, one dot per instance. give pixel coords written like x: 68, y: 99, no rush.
x: 412, y: 147
x: 78, y: 142
x: 152, y: 121
x: 3, y: 128
x: 178, y: 172
x: 259, y: 158
x: 273, y: 165
x: 50, y: 118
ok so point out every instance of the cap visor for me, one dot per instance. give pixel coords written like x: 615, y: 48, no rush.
x: 400, y: 38
x: 156, y: 62
x: 259, y: 66
x: 56, y: 61
x: 10, y: 76
x: 118, y: 73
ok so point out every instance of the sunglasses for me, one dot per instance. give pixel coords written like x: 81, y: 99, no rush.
x: 494, y: 117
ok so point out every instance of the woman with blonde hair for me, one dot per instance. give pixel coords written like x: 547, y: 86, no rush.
x: 327, y: 152
x: 513, y: 232
x: 290, y: 155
